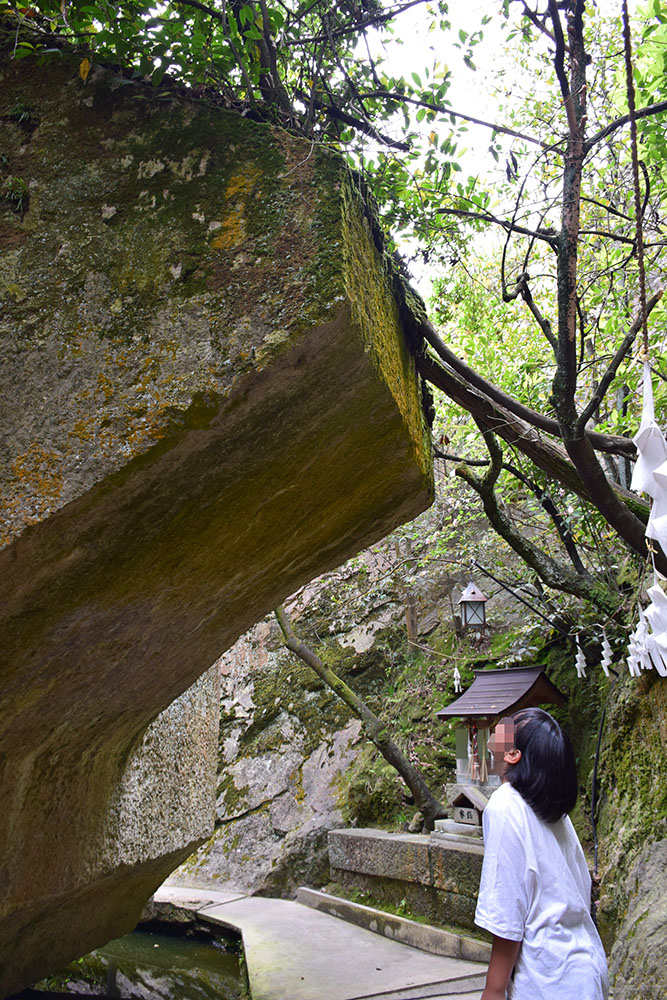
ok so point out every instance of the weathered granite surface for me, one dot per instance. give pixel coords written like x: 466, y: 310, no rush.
x: 284, y: 742
x: 205, y: 400
x: 632, y: 829
x: 638, y: 960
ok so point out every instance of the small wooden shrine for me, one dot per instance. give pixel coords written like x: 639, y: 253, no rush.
x: 492, y: 695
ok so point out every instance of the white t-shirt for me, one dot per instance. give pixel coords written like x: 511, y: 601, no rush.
x: 535, y: 888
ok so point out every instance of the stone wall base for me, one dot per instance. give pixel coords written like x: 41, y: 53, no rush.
x: 436, y: 880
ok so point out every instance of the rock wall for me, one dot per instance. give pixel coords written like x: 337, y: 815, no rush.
x: 206, y: 399
x: 294, y: 764
x: 633, y: 837
x: 284, y: 741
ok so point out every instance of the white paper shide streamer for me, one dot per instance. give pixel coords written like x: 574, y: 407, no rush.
x: 648, y: 643
x: 607, y: 654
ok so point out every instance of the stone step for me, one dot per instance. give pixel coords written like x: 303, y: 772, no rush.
x: 468, y: 988
x: 433, y: 940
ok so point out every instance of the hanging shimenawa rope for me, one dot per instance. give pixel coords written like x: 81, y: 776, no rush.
x: 639, y: 237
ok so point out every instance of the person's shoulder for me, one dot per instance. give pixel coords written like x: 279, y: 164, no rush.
x: 506, y: 801
x: 504, y: 797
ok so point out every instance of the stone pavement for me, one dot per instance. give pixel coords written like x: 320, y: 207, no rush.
x: 294, y: 952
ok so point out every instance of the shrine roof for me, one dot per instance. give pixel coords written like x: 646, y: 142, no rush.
x: 495, y: 693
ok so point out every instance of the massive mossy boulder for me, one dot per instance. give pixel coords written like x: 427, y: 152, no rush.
x: 207, y: 400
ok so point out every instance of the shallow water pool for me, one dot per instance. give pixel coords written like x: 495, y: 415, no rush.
x: 154, y: 965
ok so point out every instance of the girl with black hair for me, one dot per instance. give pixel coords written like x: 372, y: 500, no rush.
x: 535, y: 891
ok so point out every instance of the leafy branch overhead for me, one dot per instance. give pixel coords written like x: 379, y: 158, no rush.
x: 536, y: 260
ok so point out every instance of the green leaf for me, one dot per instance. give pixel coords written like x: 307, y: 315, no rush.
x: 246, y: 15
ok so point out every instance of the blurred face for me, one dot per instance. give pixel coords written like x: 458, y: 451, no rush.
x: 501, y: 745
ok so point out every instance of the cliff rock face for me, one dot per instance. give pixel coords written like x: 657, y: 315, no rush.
x: 633, y: 837
x: 206, y: 400
x: 284, y: 742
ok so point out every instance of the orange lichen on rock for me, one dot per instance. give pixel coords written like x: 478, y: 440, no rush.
x: 38, y: 480
x: 233, y: 229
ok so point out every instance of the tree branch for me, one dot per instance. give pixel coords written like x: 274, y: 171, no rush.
x: 445, y: 110
x: 607, y: 208
x: 606, y: 380
x: 458, y: 458
x: 521, y: 289
x: 647, y: 112
x: 534, y: 17
x: 342, y: 116
x: 510, y: 227
x: 550, y: 508
x: 608, y: 499
x: 607, y: 235
x: 603, y: 442
x: 352, y: 29
x: 548, y: 569
x: 374, y: 727
x: 545, y: 454
x: 559, y: 521
x: 559, y: 66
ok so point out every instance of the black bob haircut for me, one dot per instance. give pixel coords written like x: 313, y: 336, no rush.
x: 546, y: 775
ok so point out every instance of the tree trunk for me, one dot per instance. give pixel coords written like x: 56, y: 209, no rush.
x: 374, y: 728
x: 602, y: 493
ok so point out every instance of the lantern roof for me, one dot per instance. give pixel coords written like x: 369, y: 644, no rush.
x: 495, y: 693
x: 472, y: 593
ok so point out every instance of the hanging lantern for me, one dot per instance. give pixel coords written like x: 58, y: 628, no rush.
x: 473, y: 612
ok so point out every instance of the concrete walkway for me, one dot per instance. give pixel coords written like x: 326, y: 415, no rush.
x: 294, y: 952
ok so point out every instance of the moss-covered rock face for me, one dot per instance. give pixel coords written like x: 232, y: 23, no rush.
x: 206, y: 400
x: 633, y: 835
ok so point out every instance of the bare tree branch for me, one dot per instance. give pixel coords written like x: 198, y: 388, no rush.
x: 606, y: 380
x: 559, y: 66
x: 505, y: 224
x: 647, y: 112
x: 607, y: 208
x: 445, y: 110
x: 553, y: 574
x: 521, y: 289
x: 617, y: 237
x: 551, y: 509
x: 547, y: 455
x: 602, y: 442
x: 542, y: 495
